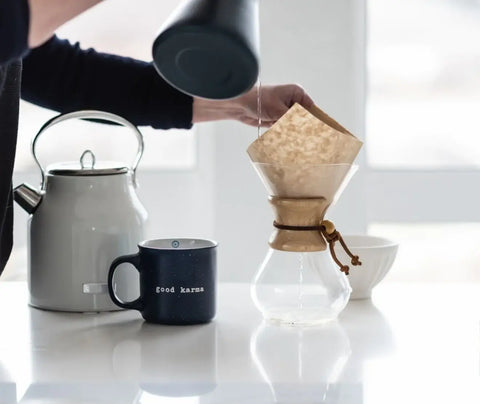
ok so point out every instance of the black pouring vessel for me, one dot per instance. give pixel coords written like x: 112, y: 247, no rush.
x: 210, y: 48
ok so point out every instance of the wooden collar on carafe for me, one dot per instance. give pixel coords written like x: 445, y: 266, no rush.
x: 302, y: 214
x: 331, y: 235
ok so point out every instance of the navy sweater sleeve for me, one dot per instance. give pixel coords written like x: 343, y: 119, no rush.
x: 65, y: 78
x: 14, y: 20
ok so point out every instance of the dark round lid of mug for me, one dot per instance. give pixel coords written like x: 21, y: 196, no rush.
x: 205, y: 61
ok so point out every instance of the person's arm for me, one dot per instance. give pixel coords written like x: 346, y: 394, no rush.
x: 65, y: 78
x: 14, y: 20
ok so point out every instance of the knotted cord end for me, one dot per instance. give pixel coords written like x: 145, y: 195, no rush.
x: 356, y: 260
x: 332, y: 235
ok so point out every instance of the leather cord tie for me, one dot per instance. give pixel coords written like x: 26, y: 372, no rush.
x: 297, y: 228
x: 332, y: 235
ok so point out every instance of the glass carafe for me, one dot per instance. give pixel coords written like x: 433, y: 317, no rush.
x: 299, y: 283
x: 300, y: 288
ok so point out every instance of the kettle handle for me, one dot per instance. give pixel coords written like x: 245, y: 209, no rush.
x: 90, y: 114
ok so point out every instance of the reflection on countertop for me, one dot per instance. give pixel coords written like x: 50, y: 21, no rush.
x: 367, y: 357
x: 298, y: 363
x: 369, y: 333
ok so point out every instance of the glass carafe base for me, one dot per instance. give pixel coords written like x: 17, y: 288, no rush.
x: 299, y: 288
x: 298, y: 317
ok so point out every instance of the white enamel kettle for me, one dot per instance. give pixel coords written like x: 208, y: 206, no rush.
x: 84, y: 216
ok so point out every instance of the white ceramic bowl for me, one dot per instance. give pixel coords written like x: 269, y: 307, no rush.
x: 376, y: 254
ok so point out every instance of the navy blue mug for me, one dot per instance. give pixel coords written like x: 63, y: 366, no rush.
x: 177, y: 281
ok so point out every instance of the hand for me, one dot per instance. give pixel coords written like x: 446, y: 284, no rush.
x: 275, y: 101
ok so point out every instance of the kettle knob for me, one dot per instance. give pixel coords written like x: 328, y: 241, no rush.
x: 84, y: 160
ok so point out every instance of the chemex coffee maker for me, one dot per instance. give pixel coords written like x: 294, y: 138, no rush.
x: 304, y: 161
x: 85, y: 214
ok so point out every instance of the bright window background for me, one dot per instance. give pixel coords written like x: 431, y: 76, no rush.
x: 423, y: 114
x: 433, y: 252
x: 424, y: 82
x: 124, y: 30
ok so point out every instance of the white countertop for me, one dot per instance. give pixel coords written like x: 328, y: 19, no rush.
x: 413, y: 344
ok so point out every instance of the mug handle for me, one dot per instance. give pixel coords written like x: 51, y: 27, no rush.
x: 133, y: 259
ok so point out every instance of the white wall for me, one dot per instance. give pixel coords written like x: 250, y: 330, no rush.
x: 317, y: 43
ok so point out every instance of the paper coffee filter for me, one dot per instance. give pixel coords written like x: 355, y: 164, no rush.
x: 320, y: 181
x: 305, y: 154
x: 301, y: 137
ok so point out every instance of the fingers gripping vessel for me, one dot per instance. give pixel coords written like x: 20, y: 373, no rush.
x: 299, y: 281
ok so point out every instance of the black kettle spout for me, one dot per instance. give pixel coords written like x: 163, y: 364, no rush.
x: 27, y: 197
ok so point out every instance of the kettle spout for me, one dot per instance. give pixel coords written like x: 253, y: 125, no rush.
x: 27, y: 197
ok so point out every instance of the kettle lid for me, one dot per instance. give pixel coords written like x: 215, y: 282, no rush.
x: 87, y: 166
